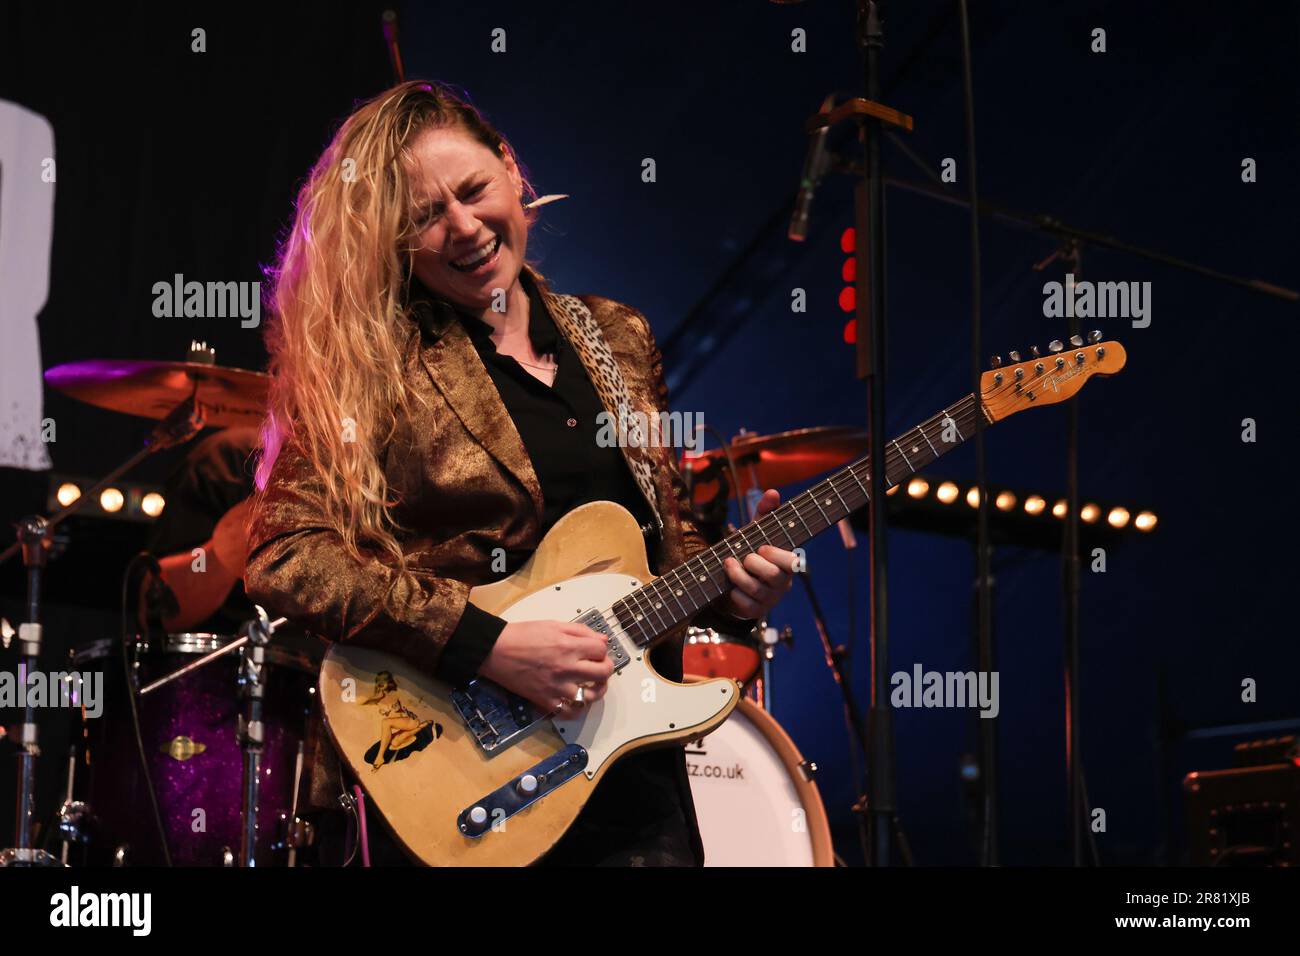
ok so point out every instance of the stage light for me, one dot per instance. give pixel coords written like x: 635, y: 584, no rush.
x: 947, y: 493
x: 1005, y: 501
x: 918, y: 487
x: 1089, y: 513
x: 1118, y: 517
x: 123, y: 502
x: 1145, y: 521
x: 1060, y: 509
x: 973, y: 497
x: 1034, y: 505
x: 848, y: 298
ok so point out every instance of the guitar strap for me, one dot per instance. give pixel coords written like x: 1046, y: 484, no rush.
x: 582, y: 330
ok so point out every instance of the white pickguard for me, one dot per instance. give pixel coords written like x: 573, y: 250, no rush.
x: 639, y: 703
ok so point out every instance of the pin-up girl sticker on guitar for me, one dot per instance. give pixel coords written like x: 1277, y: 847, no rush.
x: 401, y: 731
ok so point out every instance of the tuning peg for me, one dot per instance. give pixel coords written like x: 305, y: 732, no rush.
x: 1015, y: 356
x: 1033, y: 350
x: 996, y: 362
x: 1094, y: 336
x: 1055, y: 345
x: 1076, y: 340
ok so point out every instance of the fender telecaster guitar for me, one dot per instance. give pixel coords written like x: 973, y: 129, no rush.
x: 477, y: 776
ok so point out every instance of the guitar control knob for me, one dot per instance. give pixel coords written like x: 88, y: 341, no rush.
x: 1055, y: 345
x: 478, y: 817
x: 527, y: 785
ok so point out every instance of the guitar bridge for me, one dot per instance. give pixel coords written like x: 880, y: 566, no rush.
x: 495, y: 716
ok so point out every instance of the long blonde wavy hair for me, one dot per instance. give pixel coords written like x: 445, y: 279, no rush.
x: 337, y: 301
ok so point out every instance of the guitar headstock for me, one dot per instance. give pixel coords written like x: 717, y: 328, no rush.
x: 1047, y: 379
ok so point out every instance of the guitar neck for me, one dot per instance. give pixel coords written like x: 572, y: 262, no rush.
x: 674, y: 598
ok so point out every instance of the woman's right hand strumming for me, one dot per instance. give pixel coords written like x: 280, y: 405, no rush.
x: 547, y: 661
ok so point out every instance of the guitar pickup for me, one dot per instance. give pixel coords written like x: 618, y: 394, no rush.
x: 613, y: 646
x: 523, y: 790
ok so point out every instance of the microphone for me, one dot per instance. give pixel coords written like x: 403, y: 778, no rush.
x: 814, y: 167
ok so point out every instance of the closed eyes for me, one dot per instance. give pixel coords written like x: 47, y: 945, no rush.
x: 431, y: 214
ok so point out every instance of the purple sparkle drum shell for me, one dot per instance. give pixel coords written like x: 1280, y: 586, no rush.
x: 189, y: 729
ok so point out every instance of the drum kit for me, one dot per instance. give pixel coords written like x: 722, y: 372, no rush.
x: 215, y: 731
x: 755, y: 798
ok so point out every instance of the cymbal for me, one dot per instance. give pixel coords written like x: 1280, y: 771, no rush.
x: 784, y: 458
x: 226, y: 396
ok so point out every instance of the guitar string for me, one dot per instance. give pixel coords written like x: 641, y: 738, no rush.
x: 962, y: 412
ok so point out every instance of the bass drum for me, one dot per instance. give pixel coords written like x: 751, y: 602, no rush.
x: 189, y: 728
x: 754, y: 803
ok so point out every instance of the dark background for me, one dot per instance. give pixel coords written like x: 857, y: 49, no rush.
x: 171, y: 161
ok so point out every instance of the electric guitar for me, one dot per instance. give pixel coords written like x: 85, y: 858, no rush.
x: 478, y: 776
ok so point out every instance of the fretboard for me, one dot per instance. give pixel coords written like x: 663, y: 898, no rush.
x: 672, y: 599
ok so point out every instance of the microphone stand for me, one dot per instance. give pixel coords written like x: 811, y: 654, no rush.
x: 869, y: 208
x: 869, y: 303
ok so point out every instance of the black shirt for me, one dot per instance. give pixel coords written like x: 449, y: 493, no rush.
x: 558, y: 425
x: 635, y: 817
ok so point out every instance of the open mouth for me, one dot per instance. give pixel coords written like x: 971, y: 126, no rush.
x: 480, y: 259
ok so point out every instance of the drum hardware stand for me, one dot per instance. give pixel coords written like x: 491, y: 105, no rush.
x: 234, y: 645
x: 75, y: 820
x: 769, y: 637
x: 837, y: 659
x: 256, y: 634
x: 295, y: 834
x: 34, y: 541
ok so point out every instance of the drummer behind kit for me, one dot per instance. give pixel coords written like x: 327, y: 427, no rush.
x: 482, y: 778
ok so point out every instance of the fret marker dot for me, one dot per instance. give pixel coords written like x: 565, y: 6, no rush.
x: 657, y: 604
x: 701, y: 577
x: 679, y: 592
x: 638, y: 617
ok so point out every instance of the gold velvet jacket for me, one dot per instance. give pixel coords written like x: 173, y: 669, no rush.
x: 465, y: 487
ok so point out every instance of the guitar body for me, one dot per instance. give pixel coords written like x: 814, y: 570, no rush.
x: 434, y: 768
